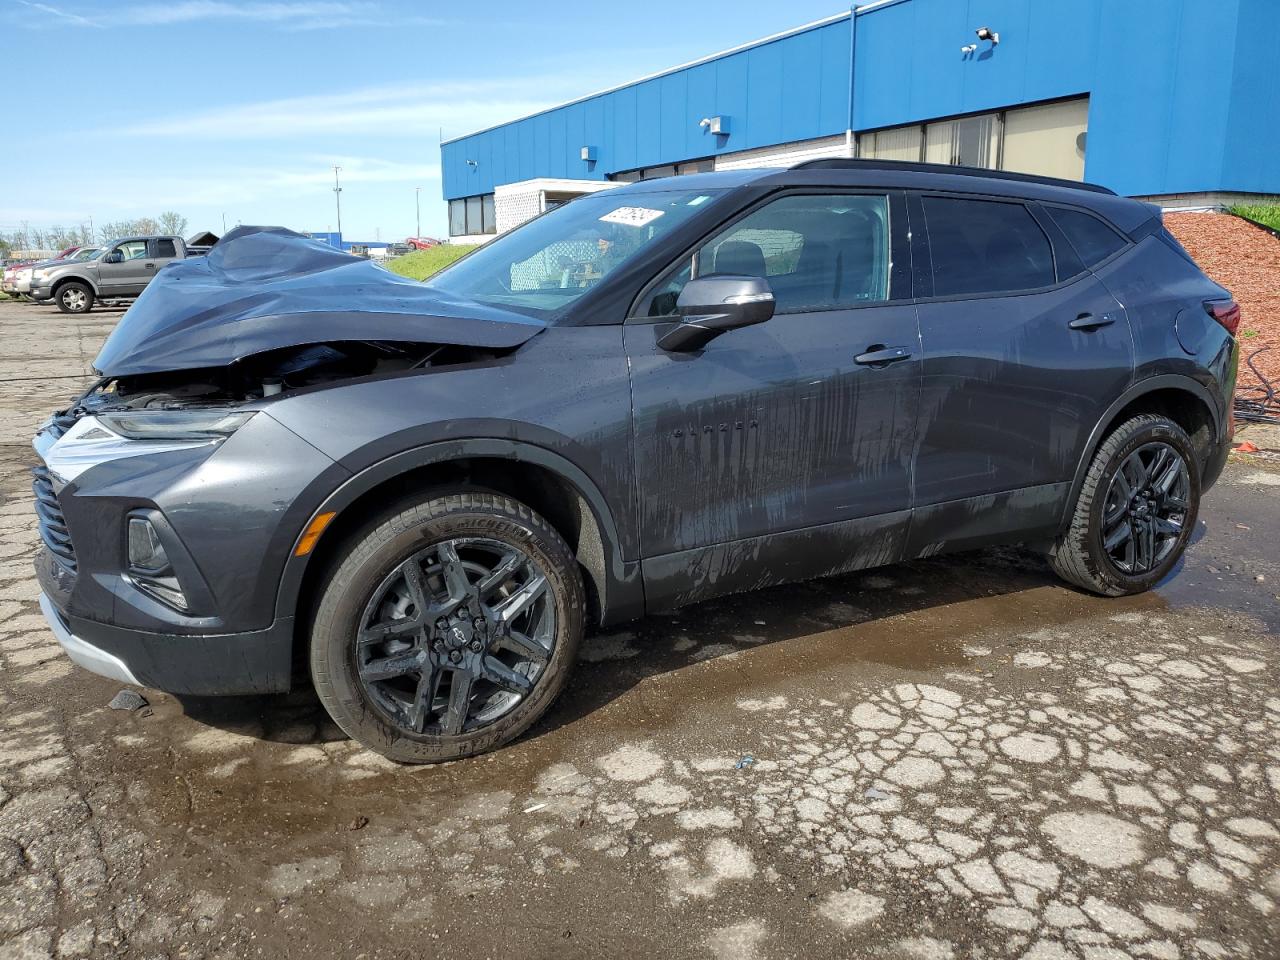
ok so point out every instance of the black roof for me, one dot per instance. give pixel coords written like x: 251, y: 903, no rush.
x: 908, y: 166
x: 1123, y: 212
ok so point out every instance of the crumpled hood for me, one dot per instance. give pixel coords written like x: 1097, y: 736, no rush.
x: 263, y: 288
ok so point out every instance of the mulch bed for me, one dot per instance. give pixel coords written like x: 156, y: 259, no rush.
x: 1246, y: 261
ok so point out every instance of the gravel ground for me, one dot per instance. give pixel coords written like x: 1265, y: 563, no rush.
x: 1246, y: 261
x: 957, y: 758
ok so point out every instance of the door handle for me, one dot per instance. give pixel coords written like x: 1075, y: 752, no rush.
x: 1087, y: 321
x: 150, y: 266
x: 878, y: 355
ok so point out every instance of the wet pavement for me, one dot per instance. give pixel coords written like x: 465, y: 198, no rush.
x: 945, y: 759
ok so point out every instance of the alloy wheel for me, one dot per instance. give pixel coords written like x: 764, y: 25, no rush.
x: 1146, y: 508
x: 73, y: 299
x: 456, y: 636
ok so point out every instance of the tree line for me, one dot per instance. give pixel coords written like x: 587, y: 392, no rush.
x: 60, y: 237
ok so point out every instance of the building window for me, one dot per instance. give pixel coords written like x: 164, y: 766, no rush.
x: 471, y: 216
x: 1046, y: 139
x: 967, y: 142
x: 705, y: 165
x: 900, y: 143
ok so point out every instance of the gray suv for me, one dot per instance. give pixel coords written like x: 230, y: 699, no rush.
x: 422, y: 493
x: 120, y: 270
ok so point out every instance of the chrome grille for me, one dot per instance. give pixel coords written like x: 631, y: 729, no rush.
x: 52, y: 524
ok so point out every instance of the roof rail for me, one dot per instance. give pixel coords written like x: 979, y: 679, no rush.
x: 850, y: 163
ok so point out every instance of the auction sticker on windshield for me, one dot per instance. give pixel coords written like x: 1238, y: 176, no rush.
x: 632, y: 216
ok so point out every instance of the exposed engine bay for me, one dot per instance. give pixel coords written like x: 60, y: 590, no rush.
x: 275, y: 372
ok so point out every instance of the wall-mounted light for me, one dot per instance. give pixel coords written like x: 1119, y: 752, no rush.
x: 969, y: 48
x: 589, y: 154
x: 719, y: 126
x: 472, y: 163
x: 986, y: 33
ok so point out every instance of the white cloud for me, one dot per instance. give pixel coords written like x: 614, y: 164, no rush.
x: 289, y: 14
x: 64, y: 16
x: 185, y: 12
x: 407, y: 110
x: 221, y: 186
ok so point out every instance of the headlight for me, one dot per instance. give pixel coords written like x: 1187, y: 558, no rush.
x: 113, y: 436
x: 40, y: 274
x: 175, y: 424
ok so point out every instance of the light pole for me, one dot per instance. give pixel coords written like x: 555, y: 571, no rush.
x: 337, y: 199
x: 417, y: 208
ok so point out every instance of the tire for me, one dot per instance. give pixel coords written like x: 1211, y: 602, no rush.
x: 74, y: 297
x: 1118, y: 563
x: 396, y: 681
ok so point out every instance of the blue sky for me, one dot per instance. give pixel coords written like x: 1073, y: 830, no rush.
x: 242, y: 107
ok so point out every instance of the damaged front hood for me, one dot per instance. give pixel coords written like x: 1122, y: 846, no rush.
x: 264, y: 288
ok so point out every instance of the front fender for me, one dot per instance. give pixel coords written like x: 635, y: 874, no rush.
x: 617, y: 581
x: 55, y: 282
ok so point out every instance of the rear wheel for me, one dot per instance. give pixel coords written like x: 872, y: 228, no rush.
x: 448, y: 629
x: 74, y: 297
x: 1136, y: 510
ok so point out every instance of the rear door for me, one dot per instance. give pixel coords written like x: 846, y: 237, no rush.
x: 799, y: 428
x: 1024, y: 350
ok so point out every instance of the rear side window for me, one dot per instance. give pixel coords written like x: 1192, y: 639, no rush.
x: 986, y: 246
x: 1093, y: 240
x: 165, y: 248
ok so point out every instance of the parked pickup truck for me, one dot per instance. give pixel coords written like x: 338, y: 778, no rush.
x: 120, y: 271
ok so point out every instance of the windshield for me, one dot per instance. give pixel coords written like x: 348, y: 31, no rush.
x: 550, y: 262
x: 85, y: 253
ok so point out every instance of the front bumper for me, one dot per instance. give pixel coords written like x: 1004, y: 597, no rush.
x: 228, y: 516
x: 94, y: 659
x: 41, y: 292
x: 260, y: 661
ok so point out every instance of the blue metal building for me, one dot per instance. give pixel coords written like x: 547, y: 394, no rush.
x: 1168, y: 99
x: 335, y: 239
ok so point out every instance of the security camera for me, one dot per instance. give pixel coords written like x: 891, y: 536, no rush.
x: 986, y: 33
x: 969, y: 48
x: 704, y: 122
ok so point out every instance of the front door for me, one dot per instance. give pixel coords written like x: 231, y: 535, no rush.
x: 798, y: 430
x: 126, y: 269
x: 1024, y: 350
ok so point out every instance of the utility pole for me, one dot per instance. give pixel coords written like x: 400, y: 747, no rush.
x: 224, y: 223
x: 417, y: 208
x: 337, y: 199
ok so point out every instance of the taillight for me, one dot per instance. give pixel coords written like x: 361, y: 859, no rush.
x: 1226, y: 312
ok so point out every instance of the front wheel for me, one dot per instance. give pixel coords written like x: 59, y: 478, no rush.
x: 448, y: 629
x: 1136, y: 510
x: 74, y: 298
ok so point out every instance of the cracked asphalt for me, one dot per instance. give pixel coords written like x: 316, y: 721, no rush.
x: 950, y: 758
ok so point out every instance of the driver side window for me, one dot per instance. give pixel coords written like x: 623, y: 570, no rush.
x: 133, y: 250
x: 818, y: 252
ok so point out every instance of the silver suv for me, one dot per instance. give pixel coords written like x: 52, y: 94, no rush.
x: 121, y: 270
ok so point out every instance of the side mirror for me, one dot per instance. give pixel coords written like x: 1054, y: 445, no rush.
x: 115, y: 256
x: 710, y: 306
